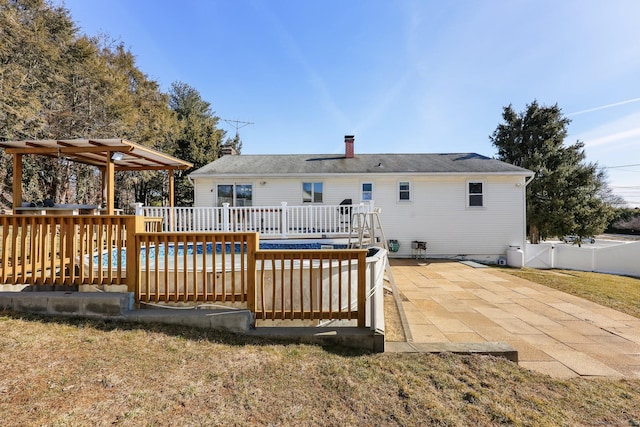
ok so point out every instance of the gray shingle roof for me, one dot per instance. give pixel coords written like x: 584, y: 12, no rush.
x: 302, y: 164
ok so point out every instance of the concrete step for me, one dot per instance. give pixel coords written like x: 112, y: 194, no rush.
x: 497, y: 349
x: 346, y: 336
x: 226, y: 319
x: 120, y: 306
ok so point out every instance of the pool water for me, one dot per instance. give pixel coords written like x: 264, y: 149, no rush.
x: 159, y: 252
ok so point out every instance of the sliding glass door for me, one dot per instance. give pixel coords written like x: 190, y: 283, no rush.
x: 235, y: 194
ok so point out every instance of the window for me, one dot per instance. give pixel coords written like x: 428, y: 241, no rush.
x: 404, y: 191
x: 367, y: 191
x: 312, y: 192
x: 235, y: 194
x: 475, y: 194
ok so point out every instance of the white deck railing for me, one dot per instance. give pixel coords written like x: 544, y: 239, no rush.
x: 270, y: 221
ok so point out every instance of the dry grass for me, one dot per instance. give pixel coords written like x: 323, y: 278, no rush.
x: 618, y: 292
x: 76, y: 372
x: 393, y: 330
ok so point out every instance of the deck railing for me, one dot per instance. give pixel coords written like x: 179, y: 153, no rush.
x: 311, y: 285
x: 270, y: 221
x: 203, y: 267
x: 60, y: 252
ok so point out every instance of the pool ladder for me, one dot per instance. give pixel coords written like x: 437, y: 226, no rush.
x: 368, y: 224
x: 364, y: 227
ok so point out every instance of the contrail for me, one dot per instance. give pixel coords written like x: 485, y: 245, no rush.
x: 602, y: 107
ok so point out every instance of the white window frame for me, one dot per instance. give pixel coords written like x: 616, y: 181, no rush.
x: 363, y: 198
x: 409, y: 190
x: 482, y: 194
x: 313, y: 194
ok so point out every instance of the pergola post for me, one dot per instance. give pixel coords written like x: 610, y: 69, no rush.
x: 172, y: 188
x: 110, y: 186
x: 17, y: 180
x: 103, y: 178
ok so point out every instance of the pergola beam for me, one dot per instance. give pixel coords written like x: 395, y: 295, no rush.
x: 149, y: 168
x: 97, y: 153
x: 67, y: 150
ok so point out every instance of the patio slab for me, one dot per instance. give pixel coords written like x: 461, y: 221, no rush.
x: 557, y: 334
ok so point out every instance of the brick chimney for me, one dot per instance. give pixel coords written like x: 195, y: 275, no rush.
x: 228, y: 150
x: 348, y: 146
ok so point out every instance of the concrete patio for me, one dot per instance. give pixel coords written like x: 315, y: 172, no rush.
x: 554, y: 333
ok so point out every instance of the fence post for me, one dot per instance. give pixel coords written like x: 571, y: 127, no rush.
x: 284, y: 220
x: 253, y: 243
x: 372, y: 300
x: 135, y: 225
x: 225, y: 217
x: 362, y: 288
x: 4, y: 245
x: 173, y: 218
x: 139, y: 209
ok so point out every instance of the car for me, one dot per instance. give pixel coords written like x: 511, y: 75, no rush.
x: 575, y: 239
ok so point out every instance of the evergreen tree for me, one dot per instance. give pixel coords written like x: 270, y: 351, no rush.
x: 565, y: 196
x: 199, y: 138
x: 55, y: 83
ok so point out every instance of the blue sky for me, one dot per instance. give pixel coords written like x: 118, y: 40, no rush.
x: 402, y: 76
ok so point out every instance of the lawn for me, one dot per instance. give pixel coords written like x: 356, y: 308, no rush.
x: 61, y: 372
x: 618, y: 292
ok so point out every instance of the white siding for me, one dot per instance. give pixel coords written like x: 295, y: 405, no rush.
x: 437, y: 212
x: 273, y: 191
x: 204, y: 193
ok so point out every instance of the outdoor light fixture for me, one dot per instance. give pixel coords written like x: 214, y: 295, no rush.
x: 117, y: 156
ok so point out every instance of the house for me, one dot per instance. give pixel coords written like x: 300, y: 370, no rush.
x: 464, y: 206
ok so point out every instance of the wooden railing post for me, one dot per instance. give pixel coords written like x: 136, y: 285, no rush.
x: 135, y: 225
x: 6, y: 252
x: 253, y: 243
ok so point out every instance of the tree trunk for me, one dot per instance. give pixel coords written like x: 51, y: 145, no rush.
x: 534, y: 234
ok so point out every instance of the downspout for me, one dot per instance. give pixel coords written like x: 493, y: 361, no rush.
x: 524, y: 213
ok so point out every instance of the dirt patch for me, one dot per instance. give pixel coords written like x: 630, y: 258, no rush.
x: 393, y: 330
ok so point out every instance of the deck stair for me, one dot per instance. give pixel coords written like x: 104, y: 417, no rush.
x: 366, y: 230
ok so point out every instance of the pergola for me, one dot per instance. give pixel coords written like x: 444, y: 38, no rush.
x: 109, y: 155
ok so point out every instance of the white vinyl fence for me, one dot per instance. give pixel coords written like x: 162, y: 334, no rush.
x: 621, y: 259
x: 277, y: 221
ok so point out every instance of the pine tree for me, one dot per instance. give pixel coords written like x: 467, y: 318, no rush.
x: 59, y: 84
x: 199, y: 138
x: 565, y: 196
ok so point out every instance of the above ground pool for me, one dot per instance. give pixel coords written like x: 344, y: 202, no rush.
x: 158, y: 252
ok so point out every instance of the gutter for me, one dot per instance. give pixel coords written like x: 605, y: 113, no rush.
x: 359, y: 174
